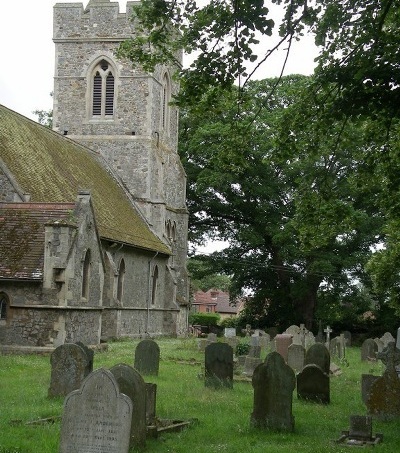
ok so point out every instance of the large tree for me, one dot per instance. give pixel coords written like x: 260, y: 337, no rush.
x: 292, y: 197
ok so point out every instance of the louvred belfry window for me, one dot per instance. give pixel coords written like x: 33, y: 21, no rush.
x: 103, y: 91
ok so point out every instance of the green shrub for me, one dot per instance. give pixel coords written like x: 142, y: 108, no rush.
x: 242, y: 349
x: 204, y: 319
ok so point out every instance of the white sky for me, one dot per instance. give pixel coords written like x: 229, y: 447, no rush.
x: 27, y: 55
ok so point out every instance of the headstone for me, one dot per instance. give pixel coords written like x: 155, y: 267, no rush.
x: 328, y: 332
x: 313, y: 385
x: 309, y: 339
x: 69, y: 367
x: 379, y: 344
x: 218, y: 365
x: 398, y: 339
x: 131, y: 383
x: 347, y: 337
x: 366, y: 383
x: 151, y: 402
x: 320, y: 335
x: 292, y: 330
x: 296, y: 356
x: 90, y: 356
x: 297, y: 338
x: 318, y: 354
x: 232, y: 341
x: 229, y: 332
x: 250, y: 365
x: 360, y: 427
x: 273, y: 382
x: 369, y: 350
x: 203, y: 343
x: 282, y: 342
x: 265, y: 341
x: 384, y: 396
x: 97, y: 417
x: 212, y: 337
x: 387, y: 338
x: 337, y: 347
x: 147, y: 358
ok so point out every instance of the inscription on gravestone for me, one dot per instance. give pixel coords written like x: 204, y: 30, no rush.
x: 97, y: 417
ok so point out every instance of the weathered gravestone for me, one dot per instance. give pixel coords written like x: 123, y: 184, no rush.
x: 369, y: 349
x: 282, y: 342
x: 131, y: 383
x: 337, y: 347
x: 147, y: 358
x: 230, y: 332
x: 218, y: 365
x: 387, y: 338
x: 90, y: 356
x: 97, y: 417
x: 379, y: 344
x: 69, y: 367
x: 318, y: 354
x: 273, y: 382
x: 250, y: 364
x: 366, y: 383
x: 383, y: 400
x: 347, y: 337
x: 296, y: 355
x: 313, y: 385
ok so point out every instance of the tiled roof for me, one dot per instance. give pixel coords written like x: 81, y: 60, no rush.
x: 215, y: 297
x: 52, y: 169
x: 22, y: 227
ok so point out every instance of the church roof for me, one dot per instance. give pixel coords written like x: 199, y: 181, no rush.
x: 52, y: 168
x: 22, y: 228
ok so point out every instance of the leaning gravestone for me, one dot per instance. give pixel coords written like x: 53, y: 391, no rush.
x: 147, y: 358
x: 218, y: 365
x: 131, y: 383
x: 97, y: 417
x: 313, y: 385
x: 273, y: 382
x: 69, y: 367
x: 318, y: 354
x: 369, y: 348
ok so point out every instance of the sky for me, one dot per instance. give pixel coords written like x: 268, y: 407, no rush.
x: 27, y: 55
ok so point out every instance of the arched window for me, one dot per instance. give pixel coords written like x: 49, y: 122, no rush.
x: 121, y: 277
x: 103, y: 89
x: 155, y: 284
x: 3, y: 305
x: 165, y: 100
x: 86, y: 275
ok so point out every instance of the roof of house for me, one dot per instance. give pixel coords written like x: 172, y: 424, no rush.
x: 22, y: 228
x: 215, y: 297
x: 51, y: 168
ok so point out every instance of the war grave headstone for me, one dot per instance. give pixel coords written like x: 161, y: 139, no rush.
x: 97, y: 417
x: 282, y: 342
x: 318, y: 354
x: 273, y: 383
x: 131, y: 383
x: 296, y: 356
x: 218, y: 365
x: 69, y: 367
x: 383, y: 400
x: 369, y: 349
x: 313, y: 385
x: 147, y: 358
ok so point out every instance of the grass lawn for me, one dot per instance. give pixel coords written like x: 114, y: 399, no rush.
x: 223, y: 415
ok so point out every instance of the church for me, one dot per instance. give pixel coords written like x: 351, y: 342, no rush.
x: 93, y: 213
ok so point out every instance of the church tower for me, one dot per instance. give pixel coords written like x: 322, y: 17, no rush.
x: 123, y: 113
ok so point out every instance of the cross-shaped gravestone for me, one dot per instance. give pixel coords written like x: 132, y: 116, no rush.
x: 390, y: 356
x: 328, y: 332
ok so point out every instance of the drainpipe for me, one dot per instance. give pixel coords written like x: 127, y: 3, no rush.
x: 149, y: 291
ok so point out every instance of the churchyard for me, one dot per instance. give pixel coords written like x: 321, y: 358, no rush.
x: 219, y: 415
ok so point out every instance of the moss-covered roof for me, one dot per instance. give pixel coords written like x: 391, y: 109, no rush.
x: 52, y: 169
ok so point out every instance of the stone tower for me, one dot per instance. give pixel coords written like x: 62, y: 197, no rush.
x: 123, y: 113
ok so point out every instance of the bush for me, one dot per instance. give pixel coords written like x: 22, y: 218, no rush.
x: 242, y: 349
x: 204, y: 319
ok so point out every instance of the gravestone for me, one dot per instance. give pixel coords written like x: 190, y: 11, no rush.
x: 296, y: 356
x: 313, y: 385
x: 273, y: 382
x: 337, y: 347
x: 347, y: 337
x: 384, y: 396
x: 379, y: 344
x: 366, y: 383
x: 387, y: 338
x: 90, y: 356
x: 69, y: 367
x: 318, y: 354
x: 131, y: 383
x: 398, y: 339
x: 369, y: 349
x: 229, y: 332
x: 147, y: 358
x: 309, y: 339
x: 232, y: 341
x: 282, y: 342
x: 320, y: 335
x: 250, y: 364
x: 218, y: 365
x: 97, y: 417
x: 151, y: 403
x: 265, y: 341
x: 255, y: 347
x: 292, y: 330
x: 328, y: 332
